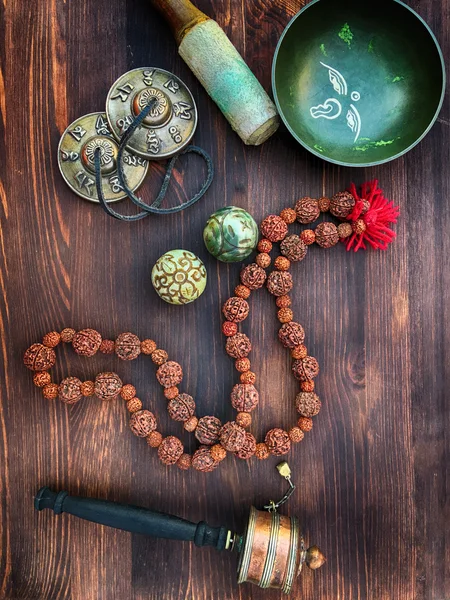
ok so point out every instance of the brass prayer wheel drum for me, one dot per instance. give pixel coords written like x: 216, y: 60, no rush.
x: 273, y: 551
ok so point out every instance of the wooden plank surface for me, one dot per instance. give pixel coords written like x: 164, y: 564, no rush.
x: 372, y: 476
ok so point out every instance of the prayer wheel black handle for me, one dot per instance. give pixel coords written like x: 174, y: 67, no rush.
x: 132, y: 518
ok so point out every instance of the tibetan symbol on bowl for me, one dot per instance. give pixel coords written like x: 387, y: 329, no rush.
x: 358, y: 83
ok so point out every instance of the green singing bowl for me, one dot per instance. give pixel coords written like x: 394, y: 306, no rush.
x: 358, y: 83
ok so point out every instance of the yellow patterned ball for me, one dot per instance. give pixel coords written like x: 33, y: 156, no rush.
x: 179, y: 277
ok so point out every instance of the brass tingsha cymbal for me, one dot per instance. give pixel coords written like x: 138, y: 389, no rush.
x: 172, y: 121
x: 76, y: 159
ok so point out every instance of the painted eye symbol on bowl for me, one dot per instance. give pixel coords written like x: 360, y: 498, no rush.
x: 332, y: 108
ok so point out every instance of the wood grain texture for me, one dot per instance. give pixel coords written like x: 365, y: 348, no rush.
x: 373, y: 477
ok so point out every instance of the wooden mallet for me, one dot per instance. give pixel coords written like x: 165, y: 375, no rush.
x: 221, y: 70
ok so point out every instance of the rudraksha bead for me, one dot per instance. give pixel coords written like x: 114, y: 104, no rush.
x: 305, y: 368
x: 262, y: 451
x: 308, y: 404
x: 107, y: 347
x: 238, y: 346
x: 324, y: 204
x: 282, y: 263
x: 67, y: 335
x: 263, y: 260
x: 299, y: 351
x: 229, y: 328
x: 170, y: 450
x: 308, y: 236
x: 248, y: 377
x: 242, y: 365
x: 69, y: 390
x: 159, y: 357
x: 154, y: 439
x: 274, y: 228
x: 244, y: 419
x: 107, y: 386
x: 244, y: 397
x: 288, y: 215
x: 203, y: 461
x: 235, y: 309
x: 128, y: 346
x: 128, y: 391
x: 181, y: 408
x: 50, y: 391
x: 88, y: 388
x: 39, y: 358
x: 207, y: 430
x: 184, y: 462
x: 148, y: 346
x: 307, y: 386
x: 342, y: 204
x: 293, y: 248
x: 142, y: 423
x: 326, y: 234
x: 232, y: 436
x: 285, y: 315
x: 296, y: 435
x: 134, y: 405
x: 41, y: 378
x: 248, y: 448
x: 171, y: 392
x: 345, y: 230
x: 366, y: 206
x: 51, y: 339
x: 291, y: 334
x: 218, y: 453
x: 253, y: 276
x: 191, y: 424
x: 359, y: 226
x: 283, y: 301
x: 86, y: 342
x: 264, y: 245
x: 169, y: 374
x: 278, y: 441
x: 242, y: 291
x: 305, y: 423
x: 307, y: 210
x: 279, y: 283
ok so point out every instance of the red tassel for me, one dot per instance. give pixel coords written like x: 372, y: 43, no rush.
x: 377, y: 218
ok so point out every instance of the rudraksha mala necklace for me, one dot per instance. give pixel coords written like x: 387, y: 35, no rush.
x: 365, y: 218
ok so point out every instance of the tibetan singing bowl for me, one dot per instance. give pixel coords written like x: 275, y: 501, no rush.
x: 358, y: 83
x: 272, y: 551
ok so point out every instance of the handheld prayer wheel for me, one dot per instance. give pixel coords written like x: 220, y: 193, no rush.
x: 272, y: 550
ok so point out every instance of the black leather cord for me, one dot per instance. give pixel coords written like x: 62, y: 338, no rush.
x: 153, y: 208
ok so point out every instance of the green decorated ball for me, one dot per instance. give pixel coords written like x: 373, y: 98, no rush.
x: 179, y: 277
x: 231, y: 234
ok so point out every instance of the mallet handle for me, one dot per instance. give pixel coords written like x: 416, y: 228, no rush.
x: 131, y: 518
x: 181, y: 15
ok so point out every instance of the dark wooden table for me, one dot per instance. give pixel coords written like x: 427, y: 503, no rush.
x: 373, y: 474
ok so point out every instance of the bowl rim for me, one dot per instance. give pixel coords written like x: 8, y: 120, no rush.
x: 361, y: 164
